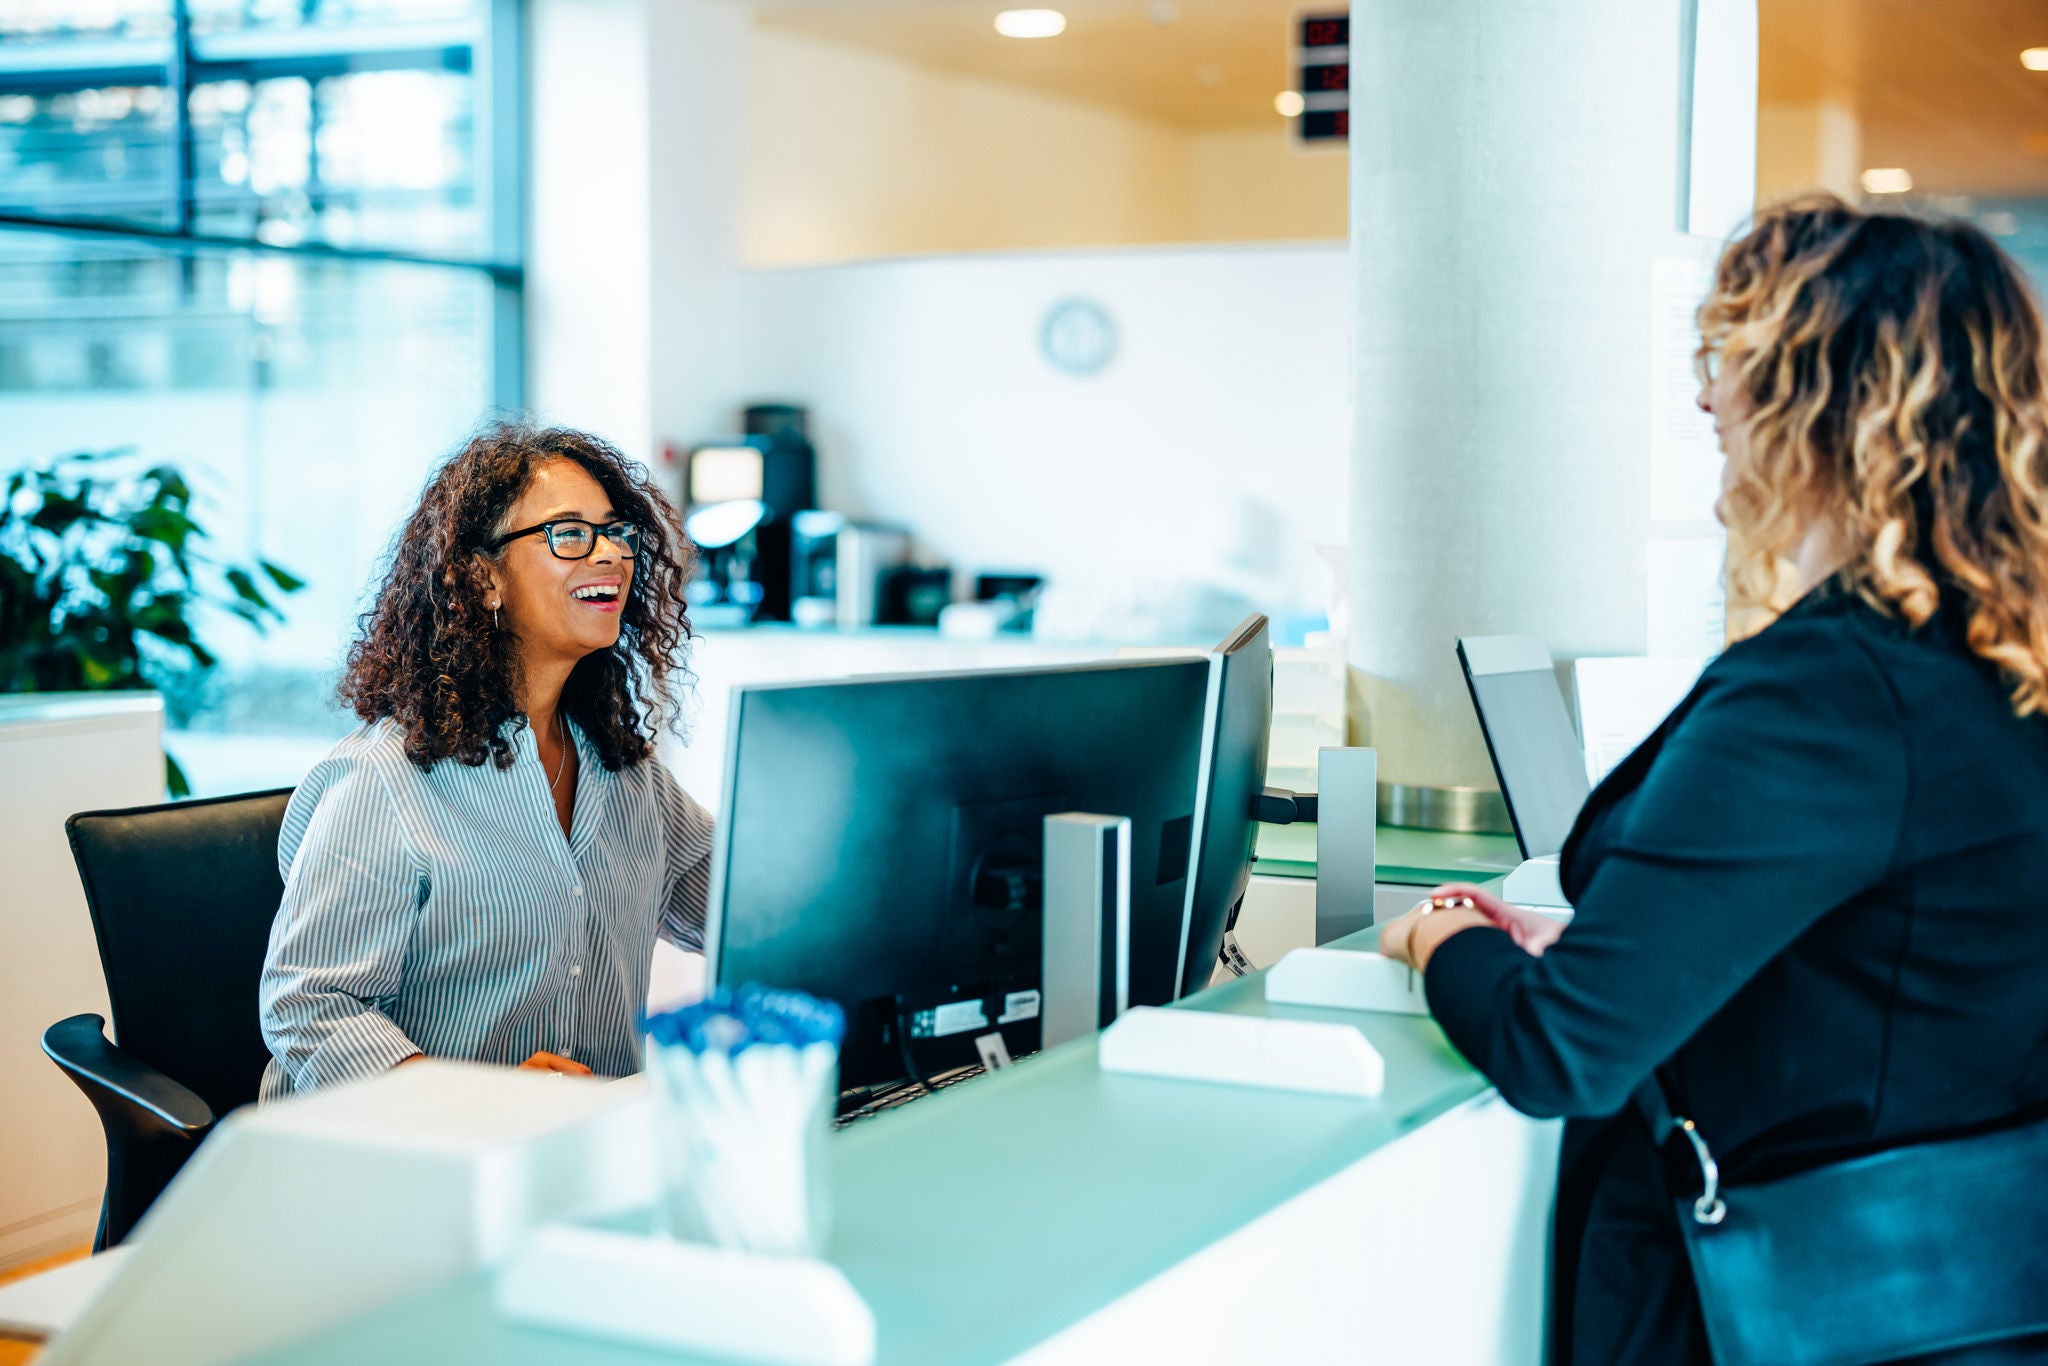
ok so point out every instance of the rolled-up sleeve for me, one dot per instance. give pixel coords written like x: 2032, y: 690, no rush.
x: 337, y: 949
x: 686, y: 829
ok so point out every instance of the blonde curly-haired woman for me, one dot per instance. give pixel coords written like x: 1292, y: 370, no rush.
x: 1811, y: 906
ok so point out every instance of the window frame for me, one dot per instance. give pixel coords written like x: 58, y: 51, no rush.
x: 488, y: 48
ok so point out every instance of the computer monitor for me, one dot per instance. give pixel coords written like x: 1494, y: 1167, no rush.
x: 881, y: 843
x: 1536, y: 754
x: 1233, y: 777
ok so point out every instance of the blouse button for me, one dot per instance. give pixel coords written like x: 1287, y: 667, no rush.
x: 579, y: 893
x: 576, y: 970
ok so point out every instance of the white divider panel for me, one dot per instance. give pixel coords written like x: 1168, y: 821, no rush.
x: 1243, y: 1050
x: 685, y: 1297
x: 1345, y: 979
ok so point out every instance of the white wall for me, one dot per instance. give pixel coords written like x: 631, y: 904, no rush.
x: 1211, y: 451
x: 633, y: 193
x: 1191, y: 478
x: 1258, y: 184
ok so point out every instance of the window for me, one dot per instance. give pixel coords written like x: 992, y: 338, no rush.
x: 275, y: 244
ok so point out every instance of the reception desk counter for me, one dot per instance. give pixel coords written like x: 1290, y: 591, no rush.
x: 1054, y: 1212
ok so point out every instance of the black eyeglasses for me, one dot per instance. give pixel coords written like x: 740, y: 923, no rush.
x: 572, y: 538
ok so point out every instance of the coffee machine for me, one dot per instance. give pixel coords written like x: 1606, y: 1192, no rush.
x: 741, y: 496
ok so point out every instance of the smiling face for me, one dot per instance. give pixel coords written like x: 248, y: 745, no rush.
x: 560, y: 610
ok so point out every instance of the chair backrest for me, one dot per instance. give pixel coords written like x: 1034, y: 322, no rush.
x: 182, y: 897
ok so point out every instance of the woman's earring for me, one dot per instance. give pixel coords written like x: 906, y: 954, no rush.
x: 494, y: 616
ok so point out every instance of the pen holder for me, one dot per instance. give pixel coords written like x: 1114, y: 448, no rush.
x: 745, y: 1084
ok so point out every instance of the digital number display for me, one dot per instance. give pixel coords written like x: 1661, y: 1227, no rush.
x: 1325, y: 77
x: 1322, y: 125
x: 1326, y: 31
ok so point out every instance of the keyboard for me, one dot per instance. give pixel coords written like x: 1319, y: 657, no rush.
x: 867, y: 1104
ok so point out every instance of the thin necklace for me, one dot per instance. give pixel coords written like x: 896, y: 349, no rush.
x: 562, y: 739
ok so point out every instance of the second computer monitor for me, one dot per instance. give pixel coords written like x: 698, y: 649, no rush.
x: 1536, y: 753
x: 1233, y: 775
x: 880, y: 843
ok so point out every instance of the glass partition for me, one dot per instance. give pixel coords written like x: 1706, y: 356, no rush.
x: 267, y: 244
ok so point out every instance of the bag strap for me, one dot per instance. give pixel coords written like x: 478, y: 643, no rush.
x: 1655, y: 1108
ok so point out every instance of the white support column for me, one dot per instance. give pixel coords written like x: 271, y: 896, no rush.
x: 634, y: 202
x: 1517, y: 166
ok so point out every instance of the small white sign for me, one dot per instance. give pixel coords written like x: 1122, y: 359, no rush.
x: 958, y: 1018
x: 1019, y: 1005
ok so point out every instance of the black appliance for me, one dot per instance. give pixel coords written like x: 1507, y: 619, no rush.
x: 741, y: 496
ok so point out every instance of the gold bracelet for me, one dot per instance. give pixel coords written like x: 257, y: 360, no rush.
x: 1425, y: 908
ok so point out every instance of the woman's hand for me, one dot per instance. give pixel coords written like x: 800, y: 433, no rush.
x: 552, y: 1062
x: 1532, y: 933
x: 1413, y: 937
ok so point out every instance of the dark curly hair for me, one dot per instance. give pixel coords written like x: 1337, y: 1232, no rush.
x: 429, y: 657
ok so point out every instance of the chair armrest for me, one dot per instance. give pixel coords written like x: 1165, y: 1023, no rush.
x: 80, y: 1046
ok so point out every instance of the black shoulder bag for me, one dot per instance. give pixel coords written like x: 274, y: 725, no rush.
x: 1923, y: 1248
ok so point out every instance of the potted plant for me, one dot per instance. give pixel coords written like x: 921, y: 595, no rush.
x: 102, y: 574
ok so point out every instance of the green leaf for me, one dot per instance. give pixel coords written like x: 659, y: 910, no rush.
x: 164, y: 525
x: 246, y: 589
x: 60, y: 512
x: 174, y: 778
x: 286, y: 581
x: 170, y: 485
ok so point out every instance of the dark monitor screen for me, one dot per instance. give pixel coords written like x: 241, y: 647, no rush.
x: 1536, y: 753
x: 1233, y: 775
x: 881, y: 843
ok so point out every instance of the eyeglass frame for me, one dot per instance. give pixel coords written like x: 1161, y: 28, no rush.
x: 597, y: 529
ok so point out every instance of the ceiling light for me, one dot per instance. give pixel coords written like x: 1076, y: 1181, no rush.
x: 2035, y: 59
x: 1887, y: 180
x: 1288, y: 104
x: 1031, y: 23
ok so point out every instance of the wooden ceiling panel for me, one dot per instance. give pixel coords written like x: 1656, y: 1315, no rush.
x: 1188, y: 63
x: 1936, y: 85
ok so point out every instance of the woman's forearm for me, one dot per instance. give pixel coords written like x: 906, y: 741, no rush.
x: 1430, y: 931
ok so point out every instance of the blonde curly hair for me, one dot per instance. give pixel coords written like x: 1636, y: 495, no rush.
x: 1893, y: 380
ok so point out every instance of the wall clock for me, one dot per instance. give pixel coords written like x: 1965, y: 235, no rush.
x: 1077, y: 337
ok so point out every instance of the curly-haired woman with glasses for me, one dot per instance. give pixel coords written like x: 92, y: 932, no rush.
x: 479, y: 871
x: 1809, y: 909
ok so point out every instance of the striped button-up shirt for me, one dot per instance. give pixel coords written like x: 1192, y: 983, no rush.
x: 445, y: 913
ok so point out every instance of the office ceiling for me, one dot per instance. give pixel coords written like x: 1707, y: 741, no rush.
x: 1936, y: 84
x: 1195, y: 64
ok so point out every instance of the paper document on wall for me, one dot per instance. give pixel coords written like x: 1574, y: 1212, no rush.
x: 1685, y: 457
x: 1622, y: 700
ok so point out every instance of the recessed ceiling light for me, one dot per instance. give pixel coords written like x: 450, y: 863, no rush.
x: 1887, y: 180
x: 1031, y: 23
x: 2035, y: 59
x: 1288, y: 104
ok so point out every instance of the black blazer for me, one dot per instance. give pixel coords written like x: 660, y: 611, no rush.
x: 1812, y: 901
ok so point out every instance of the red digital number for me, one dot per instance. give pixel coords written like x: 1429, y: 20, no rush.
x: 1333, y: 77
x: 1324, y: 33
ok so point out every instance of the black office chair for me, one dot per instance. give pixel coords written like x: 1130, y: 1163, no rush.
x: 182, y: 897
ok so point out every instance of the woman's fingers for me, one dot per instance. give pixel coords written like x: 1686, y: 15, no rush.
x: 1533, y: 933
x: 1483, y: 901
x: 554, y: 1062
